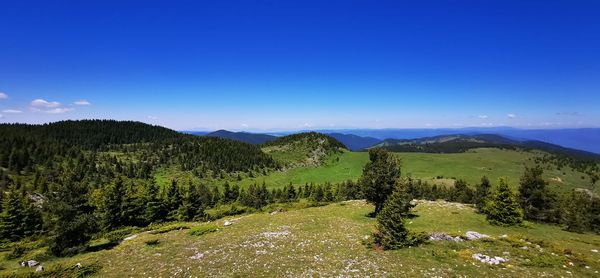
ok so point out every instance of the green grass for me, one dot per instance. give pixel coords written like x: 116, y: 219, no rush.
x: 328, y: 241
x: 470, y: 166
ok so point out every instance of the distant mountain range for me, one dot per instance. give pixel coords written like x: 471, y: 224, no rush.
x: 586, y: 139
x: 457, y: 143
x: 247, y: 137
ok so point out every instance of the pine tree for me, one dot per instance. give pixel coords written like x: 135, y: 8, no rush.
x: 32, y: 218
x: 70, y: 218
x: 576, y: 212
x: 391, y: 232
x: 482, y: 193
x: 503, y: 208
x: 172, y: 200
x: 154, y: 210
x: 187, y: 210
x: 379, y: 177
x: 11, y: 218
x: 462, y: 193
x: 535, y: 199
x: 112, y: 205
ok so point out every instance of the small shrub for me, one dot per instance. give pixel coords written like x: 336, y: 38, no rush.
x: 203, y: 229
x: 466, y: 254
x: 16, y: 252
x: 543, y: 260
x: 227, y: 210
x: 168, y: 228
x: 151, y: 242
x: 120, y: 234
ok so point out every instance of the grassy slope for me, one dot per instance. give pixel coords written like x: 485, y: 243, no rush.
x: 327, y: 241
x: 470, y: 166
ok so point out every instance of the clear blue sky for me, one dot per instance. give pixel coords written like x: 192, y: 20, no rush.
x: 283, y: 64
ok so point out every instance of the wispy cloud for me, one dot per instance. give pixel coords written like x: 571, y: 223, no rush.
x: 511, y: 116
x: 244, y: 125
x: 3, y: 95
x: 483, y: 116
x: 82, y: 102
x: 12, y: 111
x: 59, y: 110
x: 44, y: 103
x: 573, y: 114
x: 152, y: 117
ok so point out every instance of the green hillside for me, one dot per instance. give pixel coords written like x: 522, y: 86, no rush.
x: 436, y: 168
x: 327, y: 241
x: 303, y: 149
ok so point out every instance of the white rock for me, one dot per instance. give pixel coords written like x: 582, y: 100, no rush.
x: 78, y: 265
x: 227, y: 223
x: 32, y: 263
x: 130, y: 237
x: 489, y: 260
x: 443, y: 236
x: 471, y: 235
x: 595, y: 250
x: 197, y: 256
x: 39, y: 268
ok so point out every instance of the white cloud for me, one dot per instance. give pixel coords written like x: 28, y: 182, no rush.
x: 58, y: 110
x: 152, y: 117
x: 12, y: 111
x: 307, y: 125
x: 3, y: 95
x: 82, y: 102
x: 244, y: 125
x: 44, y: 103
x: 1, y: 116
x: 511, y: 116
x: 483, y: 116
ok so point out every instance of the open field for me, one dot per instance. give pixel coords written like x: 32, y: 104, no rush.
x: 470, y: 166
x: 328, y: 241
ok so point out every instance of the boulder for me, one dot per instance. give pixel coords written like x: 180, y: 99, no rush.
x: 489, y: 260
x: 31, y: 263
x: 471, y: 235
x: 444, y: 236
x: 39, y: 268
x: 227, y: 223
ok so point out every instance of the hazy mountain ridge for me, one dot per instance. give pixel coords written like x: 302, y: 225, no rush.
x: 246, y: 137
x: 462, y: 142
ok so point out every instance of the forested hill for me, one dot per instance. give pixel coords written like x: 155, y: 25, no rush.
x: 33, y: 147
x: 460, y: 143
x: 90, y: 134
x: 251, y: 138
x: 303, y: 149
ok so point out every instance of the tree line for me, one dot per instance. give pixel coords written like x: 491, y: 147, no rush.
x: 382, y: 185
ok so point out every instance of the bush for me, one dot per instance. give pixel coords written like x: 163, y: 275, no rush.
x: 391, y: 232
x: 152, y: 242
x: 203, y: 229
x: 16, y: 252
x: 227, y: 210
x: 120, y: 234
x: 503, y: 209
x: 171, y: 227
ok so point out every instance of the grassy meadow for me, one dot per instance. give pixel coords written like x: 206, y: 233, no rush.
x: 435, y: 168
x: 329, y: 241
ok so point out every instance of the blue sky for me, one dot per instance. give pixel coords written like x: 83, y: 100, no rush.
x: 251, y: 65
